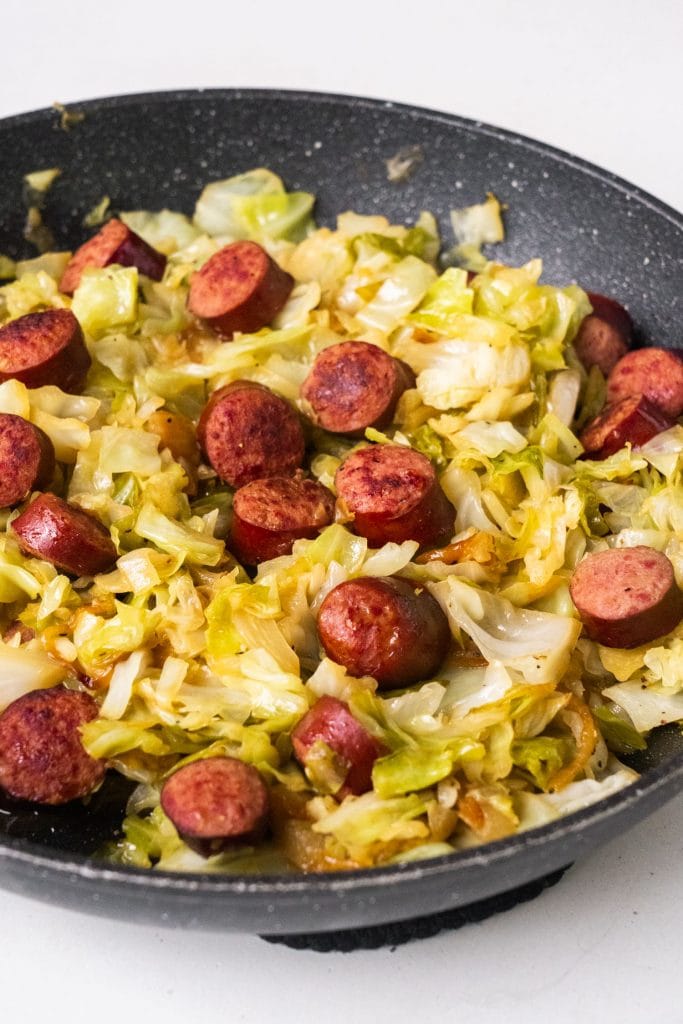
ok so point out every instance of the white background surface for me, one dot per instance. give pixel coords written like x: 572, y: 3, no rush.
x: 601, y: 79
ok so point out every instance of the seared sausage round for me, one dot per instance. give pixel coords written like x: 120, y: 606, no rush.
x: 44, y: 348
x: 247, y: 433
x: 239, y: 288
x: 27, y: 459
x: 600, y: 342
x: 393, y: 495
x: 633, y: 419
x: 613, y: 313
x: 73, y: 540
x: 42, y: 758
x: 656, y: 373
x: 330, y: 721
x: 626, y: 596
x: 114, y: 243
x: 270, y: 514
x: 390, y: 629
x: 216, y: 802
x: 355, y: 385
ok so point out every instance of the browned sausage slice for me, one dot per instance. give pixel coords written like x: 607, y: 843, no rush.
x: 330, y: 722
x: 386, y: 628
x: 114, y: 243
x: 216, y: 802
x: 355, y: 385
x: 626, y: 596
x: 247, y: 433
x: 27, y: 459
x: 269, y: 515
x: 656, y: 373
x: 44, y: 348
x: 393, y: 494
x: 613, y: 313
x: 632, y: 419
x: 73, y: 540
x: 42, y: 758
x: 239, y: 288
x: 600, y: 344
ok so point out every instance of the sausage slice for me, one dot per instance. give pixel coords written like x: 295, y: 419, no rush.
x: 330, y: 721
x: 633, y: 419
x: 385, y: 628
x: 626, y: 596
x: 216, y: 802
x: 612, y: 312
x: 73, y: 540
x: 393, y: 495
x: 247, y: 433
x: 44, y: 348
x: 270, y: 514
x: 604, y: 336
x: 42, y: 758
x: 656, y: 373
x: 114, y: 243
x: 27, y: 459
x: 355, y: 385
x: 239, y: 288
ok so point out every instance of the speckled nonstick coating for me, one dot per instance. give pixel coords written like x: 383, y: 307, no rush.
x: 158, y: 150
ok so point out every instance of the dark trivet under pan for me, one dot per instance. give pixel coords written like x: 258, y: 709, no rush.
x: 398, y: 932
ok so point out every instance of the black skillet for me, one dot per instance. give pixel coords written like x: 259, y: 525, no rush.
x: 159, y: 150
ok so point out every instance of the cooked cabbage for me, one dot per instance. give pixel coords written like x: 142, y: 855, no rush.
x: 192, y: 657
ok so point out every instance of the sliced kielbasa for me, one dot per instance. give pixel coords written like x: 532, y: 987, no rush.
x: 330, y: 721
x: 393, y: 494
x: 27, y: 459
x: 599, y: 343
x: 270, y: 514
x: 114, y: 243
x: 239, y: 288
x: 216, y: 802
x: 390, y: 629
x: 633, y: 419
x: 247, y: 433
x: 355, y: 385
x: 73, y: 540
x: 612, y: 312
x: 44, y: 348
x: 656, y: 373
x: 42, y: 758
x: 626, y: 596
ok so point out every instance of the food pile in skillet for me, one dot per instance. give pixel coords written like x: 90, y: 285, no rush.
x: 342, y: 557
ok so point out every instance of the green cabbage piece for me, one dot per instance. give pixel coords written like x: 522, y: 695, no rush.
x: 618, y: 733
x: 254, y: 205
x: 410, y: 769
x: 369, y: 818
x: 447, y: 297
x: 400, y: 292
x: 106, y: 298
x: 195, y: 547
x: 538, y: 645
x: 541, y: 756
x: 26, y: 668
x: 166, y: 229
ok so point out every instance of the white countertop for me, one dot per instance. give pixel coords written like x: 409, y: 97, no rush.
x: 601, y: 79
